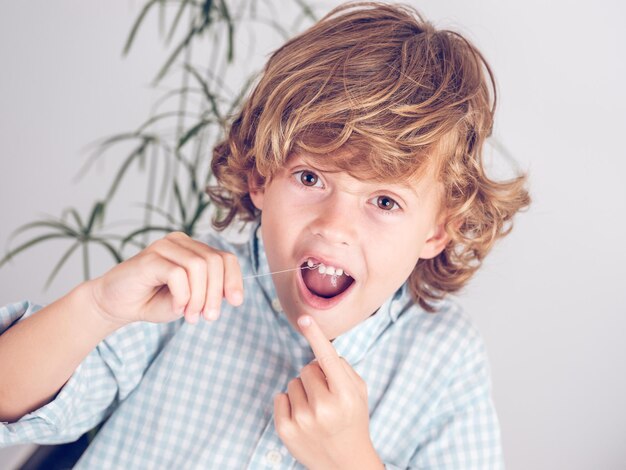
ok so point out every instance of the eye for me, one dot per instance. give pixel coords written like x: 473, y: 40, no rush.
x: 308, y: 178
x: 385, y: 203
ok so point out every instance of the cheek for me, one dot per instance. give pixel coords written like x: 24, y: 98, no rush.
x: 280, y: 228
x: 391, y: 259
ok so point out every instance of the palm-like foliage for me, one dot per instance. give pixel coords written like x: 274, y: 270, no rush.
x: 182, y: 203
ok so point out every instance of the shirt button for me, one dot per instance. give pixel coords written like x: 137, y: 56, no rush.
x: 276, y: 305
x: 273, y: 457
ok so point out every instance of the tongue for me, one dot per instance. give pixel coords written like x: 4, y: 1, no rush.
x: 323, y: 285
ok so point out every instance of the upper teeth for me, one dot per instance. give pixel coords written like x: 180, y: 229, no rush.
x: 323, y: 269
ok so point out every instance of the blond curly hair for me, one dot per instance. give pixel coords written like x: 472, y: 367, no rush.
x: 378, y: 80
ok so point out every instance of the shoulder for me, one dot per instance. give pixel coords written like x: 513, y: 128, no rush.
x: 231, y: 241
x: 448, y: 334
x: 442, y: 352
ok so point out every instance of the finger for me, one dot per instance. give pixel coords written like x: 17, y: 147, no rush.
x: 215, y: 287
x: 172, y: 275
x: 233, y: 280
x: 282, y: 412
x: 298, y: 401
x: 357, y: 380
x: 231, y: 273
x: 194, y: 265
x: 314, y: 382
x: 324, y: 352
x: 214, y: 272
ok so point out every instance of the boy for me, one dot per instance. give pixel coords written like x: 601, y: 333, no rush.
x: 358, y: 159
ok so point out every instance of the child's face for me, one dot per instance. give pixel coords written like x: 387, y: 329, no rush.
x: 374, y: 231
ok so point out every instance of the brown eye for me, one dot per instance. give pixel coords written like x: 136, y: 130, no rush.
x: 308, y: 178
x: 385, y: 203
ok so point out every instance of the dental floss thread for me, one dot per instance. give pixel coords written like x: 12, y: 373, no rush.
x: 283, y: 271
x: 333, y: 279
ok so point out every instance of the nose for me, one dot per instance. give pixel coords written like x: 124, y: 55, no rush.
x: 336, y: 220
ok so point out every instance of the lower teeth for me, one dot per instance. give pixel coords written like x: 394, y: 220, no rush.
x: 333, y: 280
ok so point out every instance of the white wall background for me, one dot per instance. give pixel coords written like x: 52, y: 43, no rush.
x: 549, y: 301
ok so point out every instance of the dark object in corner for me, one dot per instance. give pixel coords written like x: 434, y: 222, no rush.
x: 57, y: 457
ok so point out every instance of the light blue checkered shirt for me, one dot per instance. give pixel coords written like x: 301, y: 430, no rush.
x: 201, y: 396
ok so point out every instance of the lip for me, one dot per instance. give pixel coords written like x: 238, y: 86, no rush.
x: 314, y: 301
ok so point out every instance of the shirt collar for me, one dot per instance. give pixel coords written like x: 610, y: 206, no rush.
x: 261, y: 268
x: 351, y: 345
x: 354, y: 344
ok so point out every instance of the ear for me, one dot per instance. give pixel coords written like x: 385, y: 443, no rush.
x: 256, y: 192
x: 436, y: 242
x: 256, y: 195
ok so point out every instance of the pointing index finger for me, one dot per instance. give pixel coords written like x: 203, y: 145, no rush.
x: 325, y: 353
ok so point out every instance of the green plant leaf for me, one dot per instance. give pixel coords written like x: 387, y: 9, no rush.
x: 307, y: 9
x: 74, y: 213
x: 200, y: 208
x: 176, y: 92
x: 207, y: 5
x: 231, y: 30
x: 139, y: 245
x: 174, y: 26
x: 138, y: 21
x: 29, y: 244
x: 207, y: 93
x: 60, y: 264
x: 116, y: 256
x: 181, y: 46
x: 143, y: 230
x: 179, y: 201
x: 164, y: 183
x: 160, y: 211
x: 58, y: 225
x: 165, y: 115
x: 161, y: 17
x: 86, y: 275
x: 193, y: 131
x: 140, y: 149
x: 97, y: 216
x: 102, y: 147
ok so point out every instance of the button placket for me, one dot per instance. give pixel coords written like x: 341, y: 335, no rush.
x: 273, y: 458
x: 270, y: 452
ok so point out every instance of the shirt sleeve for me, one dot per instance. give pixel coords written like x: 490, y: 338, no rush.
x: 464, y: 432
x: 98, y: 385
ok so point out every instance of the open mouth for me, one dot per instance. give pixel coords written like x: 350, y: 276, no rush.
x: 325, y: 282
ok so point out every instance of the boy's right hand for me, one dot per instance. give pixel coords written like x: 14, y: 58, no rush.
x: 172, y: 277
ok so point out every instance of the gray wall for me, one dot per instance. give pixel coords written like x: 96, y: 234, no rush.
x: 549, y: 300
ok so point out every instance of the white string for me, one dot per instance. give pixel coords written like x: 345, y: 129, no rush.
x: 315, y: 266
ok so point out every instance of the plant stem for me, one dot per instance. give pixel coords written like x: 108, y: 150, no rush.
x: 86, y: 275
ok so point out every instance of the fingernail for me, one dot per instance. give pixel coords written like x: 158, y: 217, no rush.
x: 304, y: 321
x: 212, y: 314
x: 193, y: 318
x: 237, y: 297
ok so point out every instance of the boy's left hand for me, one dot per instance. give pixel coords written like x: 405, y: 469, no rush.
x: 323, y: 419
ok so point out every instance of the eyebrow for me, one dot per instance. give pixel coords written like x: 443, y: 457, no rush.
x: 410, y: 188
x: 308, y: 161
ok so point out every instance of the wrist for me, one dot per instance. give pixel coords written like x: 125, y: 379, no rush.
x: 363, y: 459
x: 369, y: 461
x: 89, y: 307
